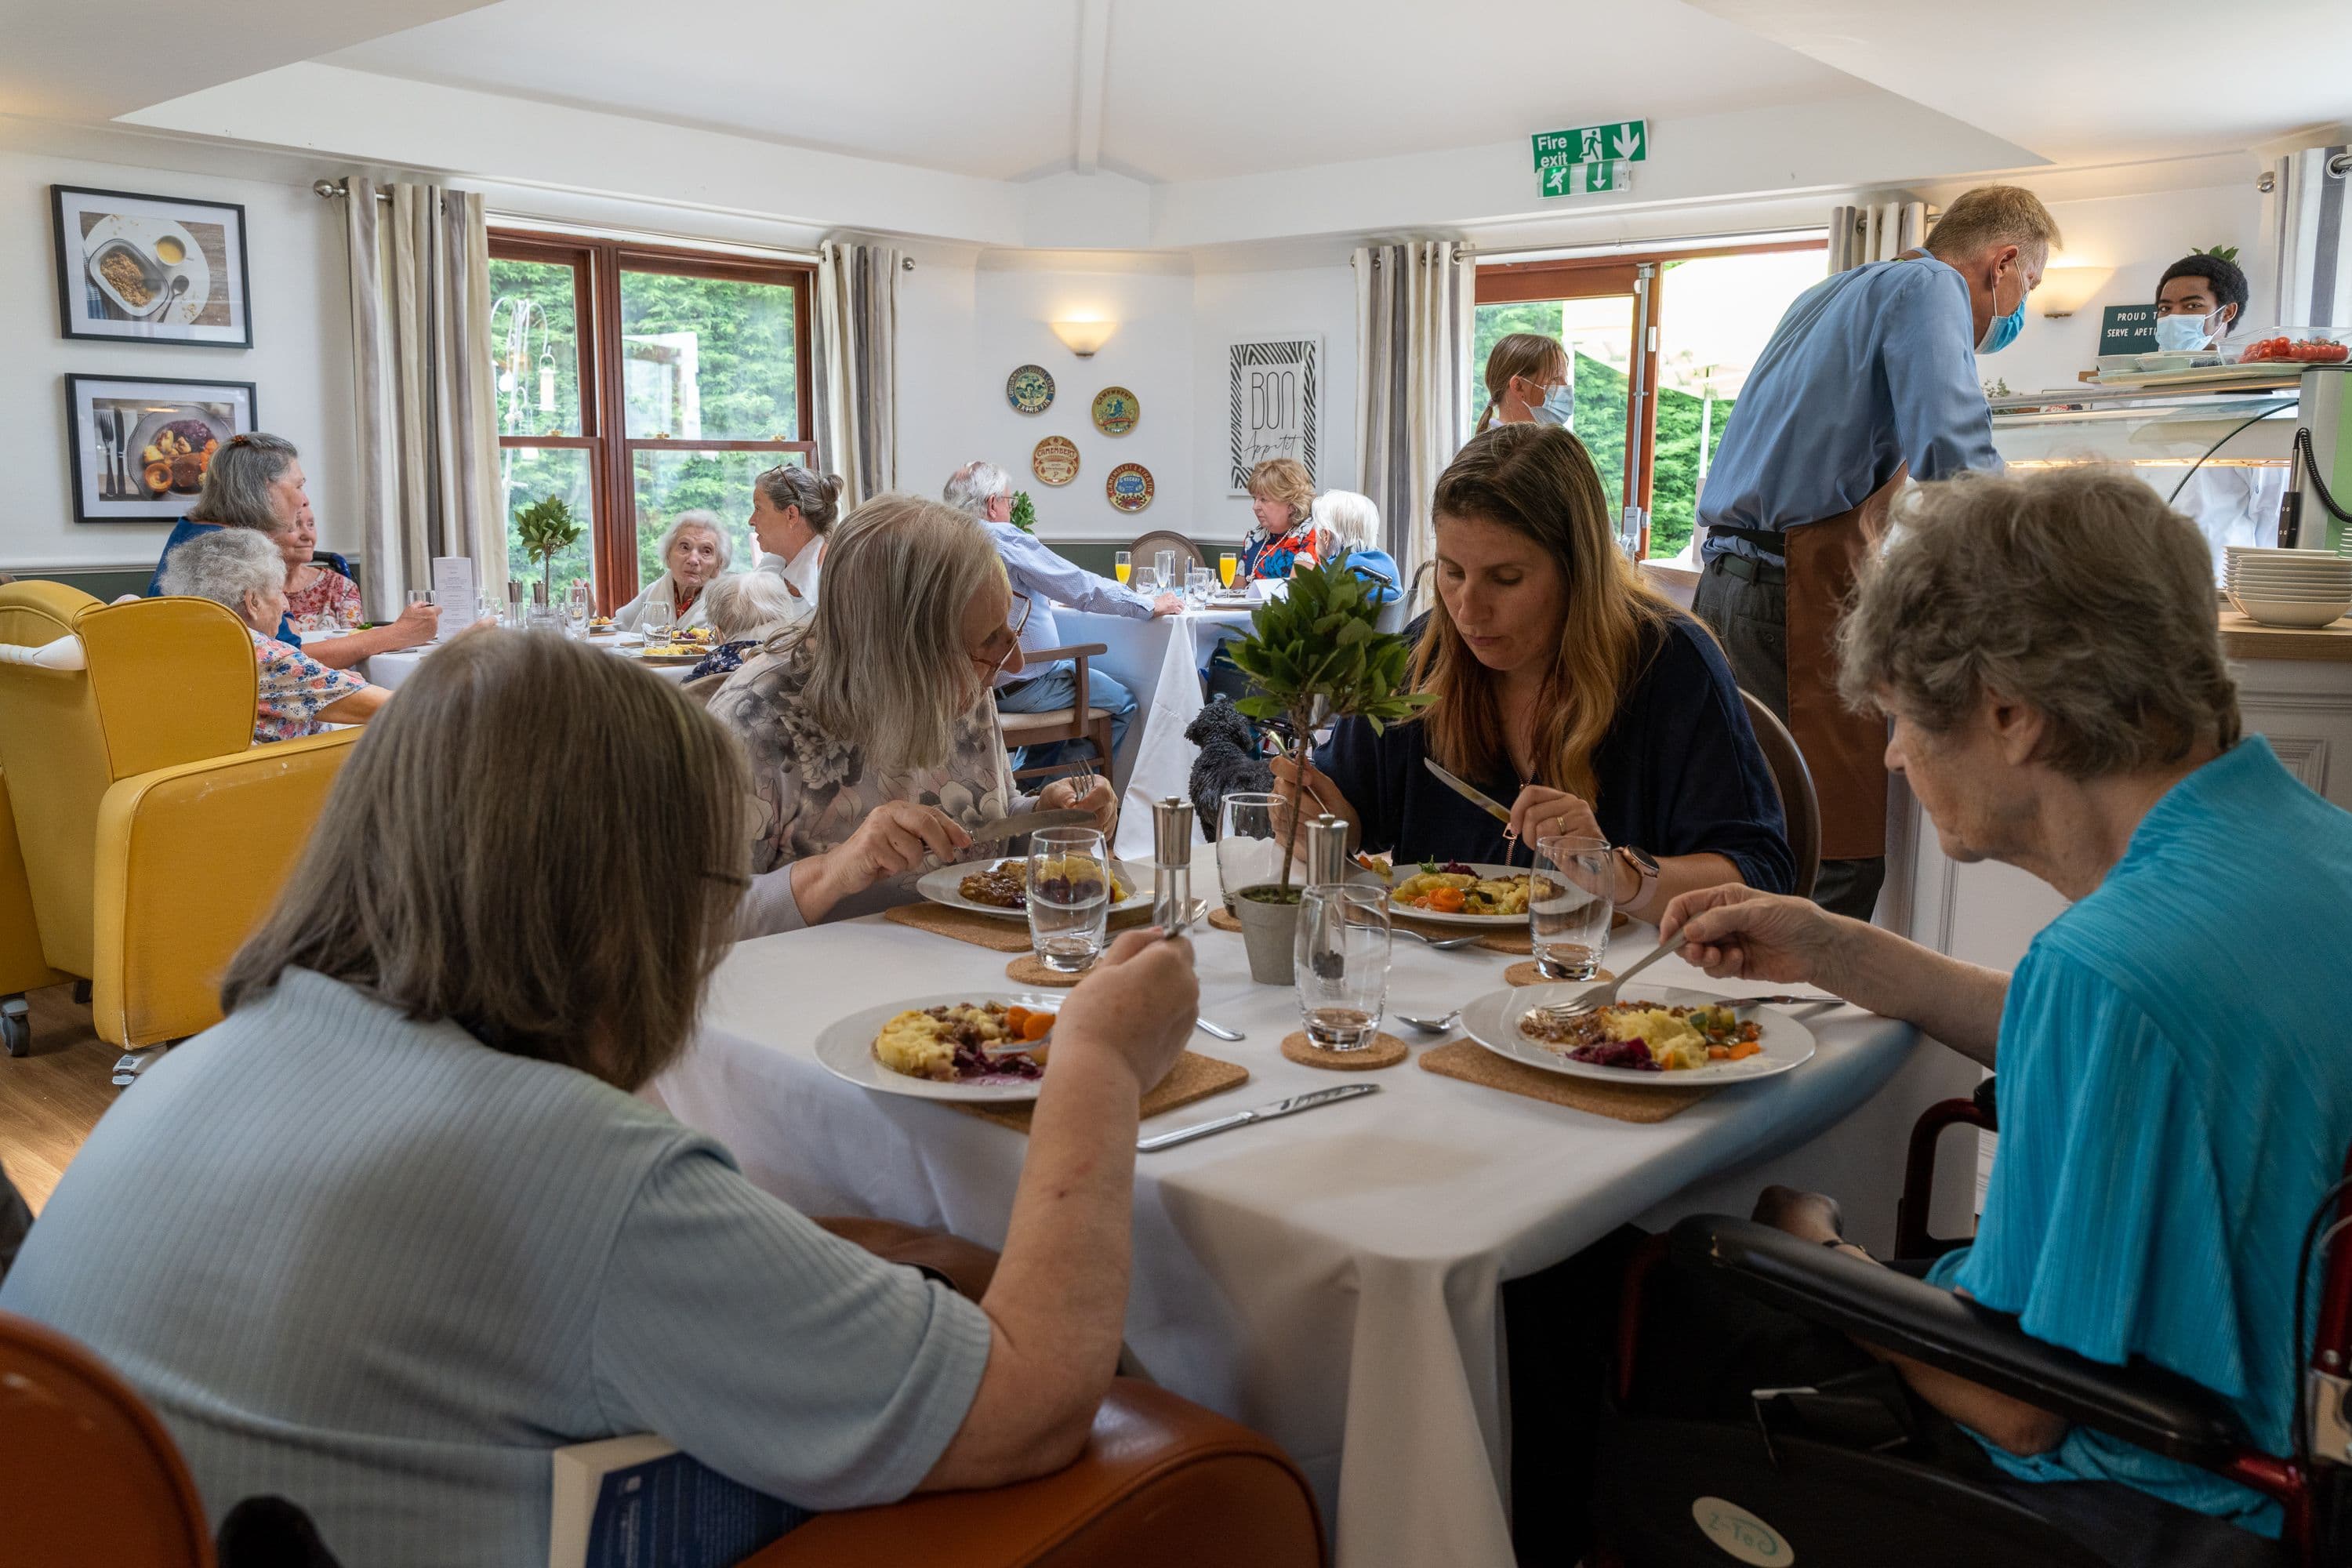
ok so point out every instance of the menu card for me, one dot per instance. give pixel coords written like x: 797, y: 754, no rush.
x: 453, y: 591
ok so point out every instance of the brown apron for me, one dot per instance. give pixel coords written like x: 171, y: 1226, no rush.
x: 1846, y: 751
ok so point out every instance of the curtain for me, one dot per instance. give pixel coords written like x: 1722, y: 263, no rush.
x: 1415, y: 305
x: 2306, y: 248
x: 1880, y: 232
x: 857, y: 363
x: 427, y: 435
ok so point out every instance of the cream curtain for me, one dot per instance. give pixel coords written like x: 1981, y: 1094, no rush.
x: 1877, y: 232
x: 2306, y: 251
x: 1415, y: 304
x: 427, y: 435
x: 858, y: 366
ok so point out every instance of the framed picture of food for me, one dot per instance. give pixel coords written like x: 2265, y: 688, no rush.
x: 1056, y: 460
x: 160, y: 269
x: 141, y: 445
x: 1115, y: 410
x: 1129, y: 486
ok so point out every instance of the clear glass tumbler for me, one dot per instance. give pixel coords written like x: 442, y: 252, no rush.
x: 1198, y: 584
x: 1069, y: 897
x: 1249, y: 842
x: 1163, y: 563
x: 1342, y: 961
x: 575, y: 611
x: 1571, y: 898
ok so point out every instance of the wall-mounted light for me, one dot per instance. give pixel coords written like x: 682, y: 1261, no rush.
x: 2065, y: 289
x: 1083, y: 338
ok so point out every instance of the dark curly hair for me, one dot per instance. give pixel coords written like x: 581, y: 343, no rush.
x: 2229, y: 284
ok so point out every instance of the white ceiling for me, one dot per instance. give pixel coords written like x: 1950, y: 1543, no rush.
x: 1190, y: 90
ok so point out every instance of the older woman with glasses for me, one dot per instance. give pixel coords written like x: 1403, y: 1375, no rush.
x: 874, y: 746
x: 694, y: 550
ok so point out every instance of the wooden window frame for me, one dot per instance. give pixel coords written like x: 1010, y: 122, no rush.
x: 596, y: 268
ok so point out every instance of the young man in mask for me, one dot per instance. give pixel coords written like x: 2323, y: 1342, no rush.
x: 2199, y: 300
x: 1870, y: 378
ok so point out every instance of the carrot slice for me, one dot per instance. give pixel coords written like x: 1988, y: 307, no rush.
x: 1745, y: 1049
x: 1035, y: 1025
x: 1717, y: 1053
x: 1014, y: 1018
x: 1447, y: 901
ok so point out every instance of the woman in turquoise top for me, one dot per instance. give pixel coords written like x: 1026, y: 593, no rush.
x: 2173, y: 1105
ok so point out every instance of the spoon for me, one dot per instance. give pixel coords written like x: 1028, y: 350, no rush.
x: 1430, y: 1025
x: 178, y: 287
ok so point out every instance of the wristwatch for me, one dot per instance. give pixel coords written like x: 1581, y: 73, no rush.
x: 1644, y: 867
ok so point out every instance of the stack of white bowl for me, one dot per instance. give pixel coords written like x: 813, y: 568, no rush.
x: 2289, y: 587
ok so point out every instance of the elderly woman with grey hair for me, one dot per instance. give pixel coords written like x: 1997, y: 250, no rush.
x: 2173, y: 1106
x: 257, y: 481
x: 297, y: 695
x: 875, y: 749
x: 744, y: 606
x: 694, y: 549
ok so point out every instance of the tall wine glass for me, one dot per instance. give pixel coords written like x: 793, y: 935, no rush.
x: 1123, y: 563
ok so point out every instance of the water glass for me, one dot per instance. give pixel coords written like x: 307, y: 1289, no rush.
x: 1122, y: 562
x: 1249, y: 842
x: 657, y: 624
x: 1069, y: 897
x: 487, y: 608
x: 1342, y: 964
x: 575, y: 611
x: 1164, y: 567
x: 1198, y: 584
x: 1571, y: 898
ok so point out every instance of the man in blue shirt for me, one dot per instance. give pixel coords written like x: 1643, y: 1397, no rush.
x: 1870, y: 377
x: 985, y: 491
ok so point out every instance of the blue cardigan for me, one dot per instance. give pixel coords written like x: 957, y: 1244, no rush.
x: 184, y: 530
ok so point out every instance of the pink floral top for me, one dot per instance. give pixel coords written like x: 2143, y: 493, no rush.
x: 331, y: 597
x: 294, y: 687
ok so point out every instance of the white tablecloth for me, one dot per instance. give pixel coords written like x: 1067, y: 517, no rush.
x: 1159, y: 660
x: 1329, y: 1278
x: 389, y: 670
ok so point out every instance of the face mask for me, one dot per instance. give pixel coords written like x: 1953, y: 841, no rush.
x: 2182, y: 334
x: 1558, y: 409
x: 2002, y: 330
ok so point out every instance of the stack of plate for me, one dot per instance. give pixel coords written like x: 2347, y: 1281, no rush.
x: 2289, y: 587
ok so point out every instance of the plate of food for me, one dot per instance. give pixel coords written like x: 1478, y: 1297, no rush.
x: 1453, y: 892
x: 999, y: 888
x: 687, y: 646
x: 175, y: 447
x: 1653, y: 1036
x: 600, y: 626
x: 139, y: 265
x: 936, y: 1048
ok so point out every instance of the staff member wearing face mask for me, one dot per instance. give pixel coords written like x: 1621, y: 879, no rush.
x: 2199, y: 300
x: 1869, y: 378
x: 1528, y: 383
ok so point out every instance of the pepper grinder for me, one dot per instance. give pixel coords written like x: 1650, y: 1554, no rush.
x: 1327, y: 852
x: 1171, y: 862
x: 514, y: 602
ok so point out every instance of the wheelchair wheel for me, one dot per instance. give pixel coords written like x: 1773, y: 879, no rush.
x: 15, y: 1024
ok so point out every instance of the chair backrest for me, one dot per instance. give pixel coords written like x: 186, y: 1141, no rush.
x: 1188, y: 554
x: 1799, y: 804
x: 90, y: 1474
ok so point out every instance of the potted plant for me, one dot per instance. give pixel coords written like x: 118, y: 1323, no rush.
x: 1024, y: 512
x: 1314, y: 655
x: 546, y: 529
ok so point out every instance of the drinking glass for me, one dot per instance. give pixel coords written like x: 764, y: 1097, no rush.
x: 657, y: 625
x: 1069, y: 897
x: 1571, y: 898
x: 1249, y: 843
x: 1342, y: 963
x: 1228, y: 563
x: 419, y: 596
x: 487, y: 608
x: 1123, y: 563
x: 1164, y: 565
x: 575, y: 611
x: 1198, y: 582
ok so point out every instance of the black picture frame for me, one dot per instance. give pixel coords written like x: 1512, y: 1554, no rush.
x: 98, y: 480
x: 91, y: 308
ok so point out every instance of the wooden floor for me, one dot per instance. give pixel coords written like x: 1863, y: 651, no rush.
x: 52, y: 1098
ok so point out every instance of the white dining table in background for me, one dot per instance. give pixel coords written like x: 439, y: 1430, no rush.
x: 389, y: 670
x: 1331, y: 1280
x: 1159, y: 660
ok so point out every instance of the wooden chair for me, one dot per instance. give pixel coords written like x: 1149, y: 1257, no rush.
x: 1188, y: 554
x: 1799, y: 804
x: 1079, y: 721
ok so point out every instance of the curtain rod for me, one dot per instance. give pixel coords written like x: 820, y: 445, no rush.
x: 330, y: 189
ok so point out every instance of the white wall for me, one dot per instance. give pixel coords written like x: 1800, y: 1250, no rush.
x: 1317, y: 301
x: 300, y: 361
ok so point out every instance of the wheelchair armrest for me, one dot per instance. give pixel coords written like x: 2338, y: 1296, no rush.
x: 2161, y: 1411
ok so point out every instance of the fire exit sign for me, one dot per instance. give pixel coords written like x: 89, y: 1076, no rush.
x: 1620, y: 141
x: 1584, y: 179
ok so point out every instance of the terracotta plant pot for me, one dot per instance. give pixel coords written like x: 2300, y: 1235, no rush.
x: 1269, y: 933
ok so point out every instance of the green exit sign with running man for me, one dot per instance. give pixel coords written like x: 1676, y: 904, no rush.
x: 1623, y: 141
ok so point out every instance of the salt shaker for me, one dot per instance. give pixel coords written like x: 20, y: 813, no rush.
x: 1171, y: 862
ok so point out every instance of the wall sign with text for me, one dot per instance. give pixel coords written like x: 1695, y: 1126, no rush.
x: 2127, y: 330
x: 1271, y: 386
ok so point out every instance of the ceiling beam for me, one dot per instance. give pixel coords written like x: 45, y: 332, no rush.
x: 1094, y: 67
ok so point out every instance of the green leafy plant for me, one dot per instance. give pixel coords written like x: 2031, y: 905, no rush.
x: 546, y: 529
x: 1316, y: 655
x: 2217, y: 252
x: 1024, y: 512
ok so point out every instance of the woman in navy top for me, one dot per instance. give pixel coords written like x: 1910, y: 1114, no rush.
x: 1568, y: 690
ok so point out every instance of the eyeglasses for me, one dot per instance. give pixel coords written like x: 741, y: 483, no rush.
x: 990, y: 655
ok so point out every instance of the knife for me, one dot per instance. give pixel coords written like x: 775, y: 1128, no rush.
x: 1262, y: 1113
x: 1005, y: 828
x: 1483, y: 802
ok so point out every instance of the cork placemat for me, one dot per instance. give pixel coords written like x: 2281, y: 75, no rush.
x: 1473, y: 1063
x: 1027, y: 971
x: 1385, y: 1051
x: 1194, y: 1077
x: 984, y: 931
x: 1223, y: 919
x: 1532, y: 973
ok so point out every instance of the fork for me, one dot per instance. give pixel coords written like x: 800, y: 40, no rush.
x: 1600, y: 992
x: 1024, y: 1047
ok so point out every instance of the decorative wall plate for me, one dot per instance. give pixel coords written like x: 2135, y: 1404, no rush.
x: 1029, y: 389
x: 1056, y: 460
x: 1129, y: 486
x: 1117, y: 410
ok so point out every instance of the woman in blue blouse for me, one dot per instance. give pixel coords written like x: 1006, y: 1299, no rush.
x: 1568, y: 690
x: 2174, y: 1096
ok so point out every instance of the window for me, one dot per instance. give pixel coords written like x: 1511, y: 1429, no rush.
x: 638, y: 382
x: 1709, y: 313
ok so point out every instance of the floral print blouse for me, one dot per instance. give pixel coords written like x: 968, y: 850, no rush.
x: 1266, y: 554
x: 294, y: 687
x: 331, y: 599
x: 813, y: 789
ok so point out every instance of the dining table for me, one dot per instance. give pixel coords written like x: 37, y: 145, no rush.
x: 389, y: 670
x: 1330, y: 1279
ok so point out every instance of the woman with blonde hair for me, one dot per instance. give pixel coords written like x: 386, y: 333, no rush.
x: 1528, y: 382
x: 694, y: 549
x: 873, y: 740
x: 1565, y: 686
x: 1282, y: 499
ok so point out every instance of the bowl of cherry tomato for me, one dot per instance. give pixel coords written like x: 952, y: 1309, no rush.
x: 2292, y: 345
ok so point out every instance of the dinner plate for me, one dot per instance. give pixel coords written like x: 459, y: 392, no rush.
x: 663, y: 656
x: 845, y: 1048
x: 1479, y: 922
x: 942, y: 885
x: 1493, y: 1020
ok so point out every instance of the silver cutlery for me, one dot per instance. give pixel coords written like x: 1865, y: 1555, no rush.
x: 1476, y: 796
x: 1600, y: 992
x: 101, y: 423
x: 1004, y: 827
x: 122, y: 434
x: 1779, y: 1002
x: 1296, y: 1103
x: 157, y: 311
x: 1440, y: 944
x: 1430, y: 1026
x: 1217, y: 1031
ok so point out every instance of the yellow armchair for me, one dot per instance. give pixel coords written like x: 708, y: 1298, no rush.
x: 153, y: 834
